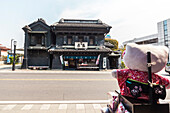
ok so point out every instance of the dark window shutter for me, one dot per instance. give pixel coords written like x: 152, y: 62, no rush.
x: 96, y: 40
x: 43, y: 40
x: 73, y: 39
x: 76, y: 39
x: 33, y: 41
x: 85, y: 38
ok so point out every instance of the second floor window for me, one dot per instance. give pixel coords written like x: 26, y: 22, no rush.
x: 37, y: 40
x: 91, y: 41
x: 69, y: 41
x: 80, y: 39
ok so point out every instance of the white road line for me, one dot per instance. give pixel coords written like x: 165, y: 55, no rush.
x: 97, y: 106
x: 9, y: 107
x: 45, y: 107
x: 27, y: 107
x: 62, y: 106
x: 79, y: 106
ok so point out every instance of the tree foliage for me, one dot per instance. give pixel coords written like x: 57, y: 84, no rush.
x: 12, y: 59
x: 114, y: 42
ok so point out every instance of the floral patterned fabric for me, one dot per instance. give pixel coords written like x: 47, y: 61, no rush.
x: 123, y: 74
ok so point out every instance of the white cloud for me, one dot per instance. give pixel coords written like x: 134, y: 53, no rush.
x: 129, y: 18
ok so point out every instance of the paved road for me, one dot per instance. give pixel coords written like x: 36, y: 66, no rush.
x: 55, y: 86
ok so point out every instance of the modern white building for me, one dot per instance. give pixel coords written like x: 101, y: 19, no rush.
x: 164, y: 32
x: 162, y: 38
x: 150, y: 39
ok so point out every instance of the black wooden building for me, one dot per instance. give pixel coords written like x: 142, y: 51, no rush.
x: 67, y: 44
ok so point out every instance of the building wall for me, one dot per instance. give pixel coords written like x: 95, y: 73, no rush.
x: 163, y: 30
x: 160, y: 33
x: 164, y: 33
x: 36, y: 53
x: 56, y: 64
x: 99, y: 39
x: 4, y: 53
x: 150, y: 39
x: 38, y: 58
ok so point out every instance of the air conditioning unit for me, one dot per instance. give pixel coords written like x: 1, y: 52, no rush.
x: 81, y: 45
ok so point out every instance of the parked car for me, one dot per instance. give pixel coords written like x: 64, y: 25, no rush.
x: 167, y: 67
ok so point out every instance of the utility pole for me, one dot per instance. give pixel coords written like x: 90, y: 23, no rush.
x: 13, y: 66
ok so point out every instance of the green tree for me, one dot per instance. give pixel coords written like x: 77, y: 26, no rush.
x: 12, y: 59
x: 114, y: 42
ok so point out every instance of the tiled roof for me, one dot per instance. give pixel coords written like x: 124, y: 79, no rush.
x: 39, y: 20
x: 80, y: 23
x: 3, y: 48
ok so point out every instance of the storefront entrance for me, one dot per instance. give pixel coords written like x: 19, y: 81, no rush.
x: 80, y: 62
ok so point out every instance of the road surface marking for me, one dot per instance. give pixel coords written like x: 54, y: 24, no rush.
x: 9, y: 107
x: 97, y: 106
x: 62, y: 106
x: 45, y: 107
x: 56, y: 79
x: 79, y: 106
x: 27, y: 107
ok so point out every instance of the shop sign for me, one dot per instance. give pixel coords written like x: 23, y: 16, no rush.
x: 80, y: 57
x: 104, y: 62
x: 97, y: 61
x: 61, y: 59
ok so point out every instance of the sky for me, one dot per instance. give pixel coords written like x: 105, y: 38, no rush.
x: 129, y: 18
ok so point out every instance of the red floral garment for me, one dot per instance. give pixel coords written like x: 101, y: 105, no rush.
x: 123, y: 74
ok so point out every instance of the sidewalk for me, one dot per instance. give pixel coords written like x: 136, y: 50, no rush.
x: 8, y: 69
x: 51, y: 108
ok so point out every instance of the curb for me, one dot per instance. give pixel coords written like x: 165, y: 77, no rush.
x: 75, y: 72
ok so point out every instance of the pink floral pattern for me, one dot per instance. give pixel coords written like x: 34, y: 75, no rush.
x: 123, y: 74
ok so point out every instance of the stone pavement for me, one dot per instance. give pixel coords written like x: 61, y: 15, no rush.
x: 51, y: 108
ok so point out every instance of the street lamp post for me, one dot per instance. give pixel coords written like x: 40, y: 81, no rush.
x: 13, y: 66
x: 11, y: 45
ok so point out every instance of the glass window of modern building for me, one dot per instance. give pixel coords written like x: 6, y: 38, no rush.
x: 165, y: 22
